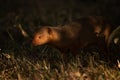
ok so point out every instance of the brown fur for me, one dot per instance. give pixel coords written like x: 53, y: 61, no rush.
x: 74, y: 35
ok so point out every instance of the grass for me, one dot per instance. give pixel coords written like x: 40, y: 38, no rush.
x: 52, y: 66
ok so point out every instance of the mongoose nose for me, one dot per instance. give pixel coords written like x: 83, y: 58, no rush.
x: 34, y: 43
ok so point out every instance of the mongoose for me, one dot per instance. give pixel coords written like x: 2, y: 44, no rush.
x: 77, y: 34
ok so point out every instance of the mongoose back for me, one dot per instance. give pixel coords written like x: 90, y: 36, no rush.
x: 74, y: 35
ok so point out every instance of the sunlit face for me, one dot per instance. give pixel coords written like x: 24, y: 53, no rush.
x: 40, y: 38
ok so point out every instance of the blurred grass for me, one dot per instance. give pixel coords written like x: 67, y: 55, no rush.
x: 50, y: 68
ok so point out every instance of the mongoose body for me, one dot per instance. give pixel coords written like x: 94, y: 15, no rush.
x: 77, y: 34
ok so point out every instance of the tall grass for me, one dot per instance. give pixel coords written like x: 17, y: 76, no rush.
x: 53, y: 67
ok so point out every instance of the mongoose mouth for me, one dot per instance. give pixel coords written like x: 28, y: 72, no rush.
x: 34, y: 43
x: 37, y: 43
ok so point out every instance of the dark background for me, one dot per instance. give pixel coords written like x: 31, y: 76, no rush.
x: 49, y: 11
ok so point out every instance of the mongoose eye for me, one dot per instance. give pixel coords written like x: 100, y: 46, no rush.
x: 39, y: 37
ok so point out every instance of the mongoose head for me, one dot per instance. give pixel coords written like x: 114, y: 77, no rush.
x: 42, y: 36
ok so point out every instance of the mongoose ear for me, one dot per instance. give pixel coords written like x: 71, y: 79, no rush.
x: 49, y: 30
